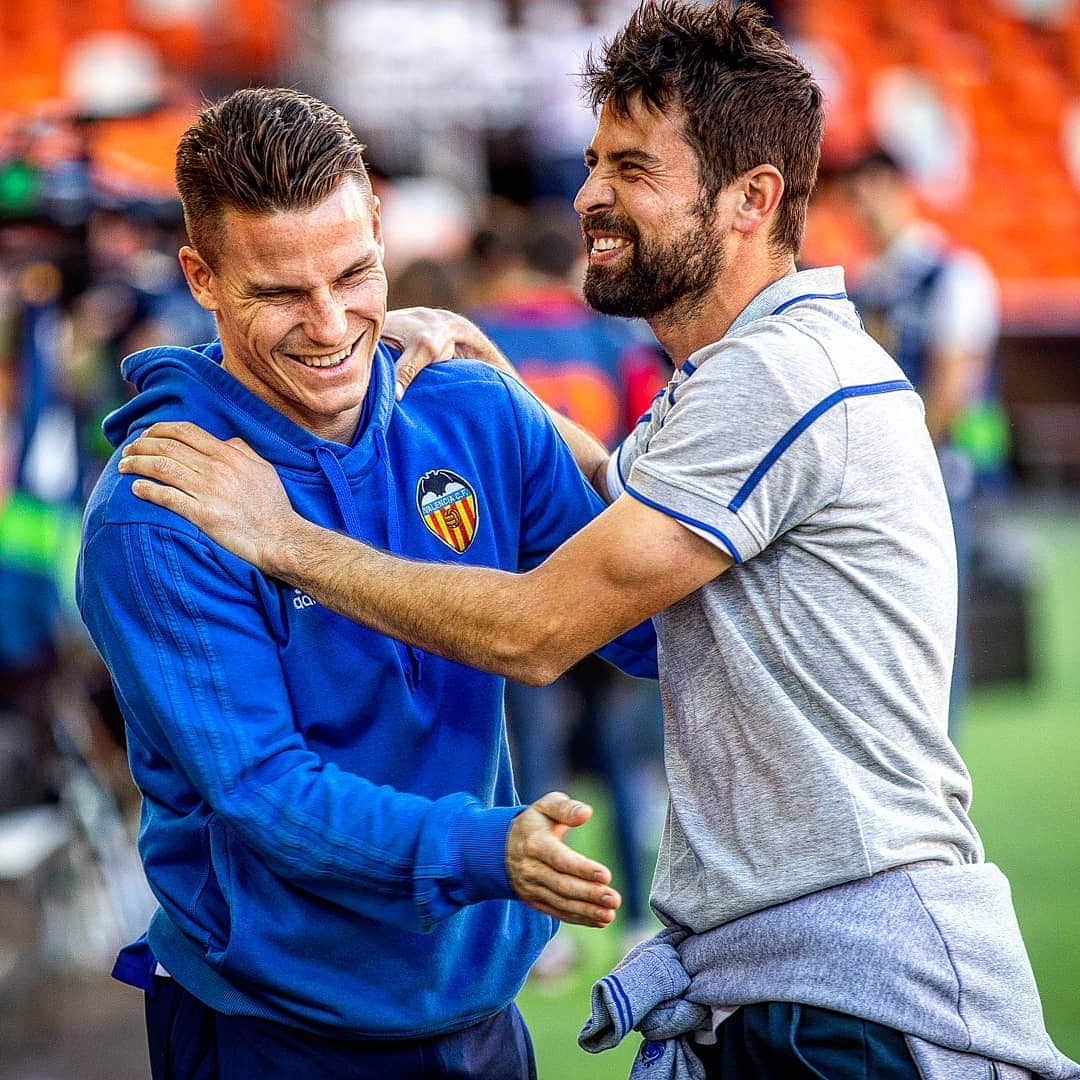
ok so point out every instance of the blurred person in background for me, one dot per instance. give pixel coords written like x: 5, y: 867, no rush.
x: 38, y: 512
x: 934, y: 307
x: 782, y: 514
x: 84, y: 280
x: 329, y: 822
x: 599, y: 372
x: 41, y: 492
x: 134, y: 297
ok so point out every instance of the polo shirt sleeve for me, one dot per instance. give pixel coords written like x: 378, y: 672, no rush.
x: 631, y: 448
x: 753, y: 443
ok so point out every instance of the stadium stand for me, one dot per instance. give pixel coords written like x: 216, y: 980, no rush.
x: 1012, y: 84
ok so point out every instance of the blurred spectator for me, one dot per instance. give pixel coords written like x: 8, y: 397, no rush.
x: 596, y: 370
x: 934, y: 307
x: 425, y: 283
x: 83, y: 280
x: 39, y: 518
x: 496, y: 266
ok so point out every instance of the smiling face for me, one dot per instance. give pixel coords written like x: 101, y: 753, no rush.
x: 300, y: 298
x: 655, y: 244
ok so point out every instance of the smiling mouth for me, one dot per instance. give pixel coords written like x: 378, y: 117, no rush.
x: 324, y: 360
x: 604, y: 248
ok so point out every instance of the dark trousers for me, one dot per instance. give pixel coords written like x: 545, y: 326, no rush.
x: 189, y: 1041
x: 783, y: 1041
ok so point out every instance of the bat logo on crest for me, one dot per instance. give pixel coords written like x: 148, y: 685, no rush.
x: 447, y: 503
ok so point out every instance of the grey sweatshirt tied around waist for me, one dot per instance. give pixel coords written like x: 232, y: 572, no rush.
x: 934, y: 952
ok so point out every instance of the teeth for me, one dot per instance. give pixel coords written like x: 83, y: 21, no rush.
x: 610, y: 243
x: 324, y: 361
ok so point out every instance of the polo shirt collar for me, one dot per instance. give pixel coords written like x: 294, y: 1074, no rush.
x: 827, y: 281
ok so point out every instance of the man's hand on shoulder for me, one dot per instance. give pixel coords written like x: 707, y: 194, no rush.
x: 549, y: 875
x: 223, y: 488
x: 428, y: 336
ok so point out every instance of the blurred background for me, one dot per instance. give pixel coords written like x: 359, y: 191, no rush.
x: 950, y: 191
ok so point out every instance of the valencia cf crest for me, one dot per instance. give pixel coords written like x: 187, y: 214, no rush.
x: 447, y: 503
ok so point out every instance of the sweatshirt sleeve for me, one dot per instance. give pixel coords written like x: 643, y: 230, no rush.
x: 556, y: 502
x: 200, y: 682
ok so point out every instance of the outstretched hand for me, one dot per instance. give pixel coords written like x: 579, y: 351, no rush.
x: 224, y: 488
x: 549, y: 875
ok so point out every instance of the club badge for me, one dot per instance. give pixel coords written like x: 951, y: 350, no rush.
x: 447, y: 503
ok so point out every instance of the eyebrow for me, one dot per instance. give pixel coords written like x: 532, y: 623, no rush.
x: 641, y: 157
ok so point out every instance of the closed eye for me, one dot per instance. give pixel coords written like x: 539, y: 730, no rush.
x: 353, y: 277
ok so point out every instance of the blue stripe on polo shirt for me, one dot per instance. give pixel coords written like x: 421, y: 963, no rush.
x: 802, y: 424
x: 624, y: 1020
x: 808, y: 296
x: 618, y: 463
x: 687, y: 520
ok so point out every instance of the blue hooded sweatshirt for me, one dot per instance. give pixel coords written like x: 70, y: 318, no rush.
x: 325, y: 809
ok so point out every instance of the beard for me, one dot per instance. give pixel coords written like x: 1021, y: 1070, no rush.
x: 661, y: 275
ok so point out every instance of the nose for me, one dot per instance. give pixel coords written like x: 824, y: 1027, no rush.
x: 327, y: 320
x: 595, y: 194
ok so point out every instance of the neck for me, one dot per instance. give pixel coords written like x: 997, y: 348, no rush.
x: 692, y: 324
x: 339, y: 429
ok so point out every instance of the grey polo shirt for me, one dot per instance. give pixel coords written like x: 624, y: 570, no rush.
x: 805, y: 691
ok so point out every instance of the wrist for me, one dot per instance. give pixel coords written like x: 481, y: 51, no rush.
x: 282, y: 555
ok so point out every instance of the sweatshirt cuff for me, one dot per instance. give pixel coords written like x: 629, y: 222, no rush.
x: 478, y: 852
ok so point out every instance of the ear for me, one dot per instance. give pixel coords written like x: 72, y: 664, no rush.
x: 376, y: 224
x: 200, y: 278
x: 761, y: 189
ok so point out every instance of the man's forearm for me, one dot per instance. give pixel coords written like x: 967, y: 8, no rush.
x: 488, y: 619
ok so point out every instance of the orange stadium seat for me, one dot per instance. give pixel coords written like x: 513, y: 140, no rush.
x: 1012, y: 83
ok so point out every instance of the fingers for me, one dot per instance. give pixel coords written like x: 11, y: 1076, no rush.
x: 571, y: 900
x: 419, y: 351
x: 169, y: 497
x: 424, y: 337
x: 565, y: 860
x: 181, y: 431
x: 547, y: 861
x: 237, y: 443
x: 148, y: 446
x: 558, y: 806
x: 573, y: 894
x: 167, y: 468
x: 546, y: 873
x: 578, y: 914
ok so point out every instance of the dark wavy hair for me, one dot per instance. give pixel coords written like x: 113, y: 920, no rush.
x: 748, y: 101
x: 258, y: 151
